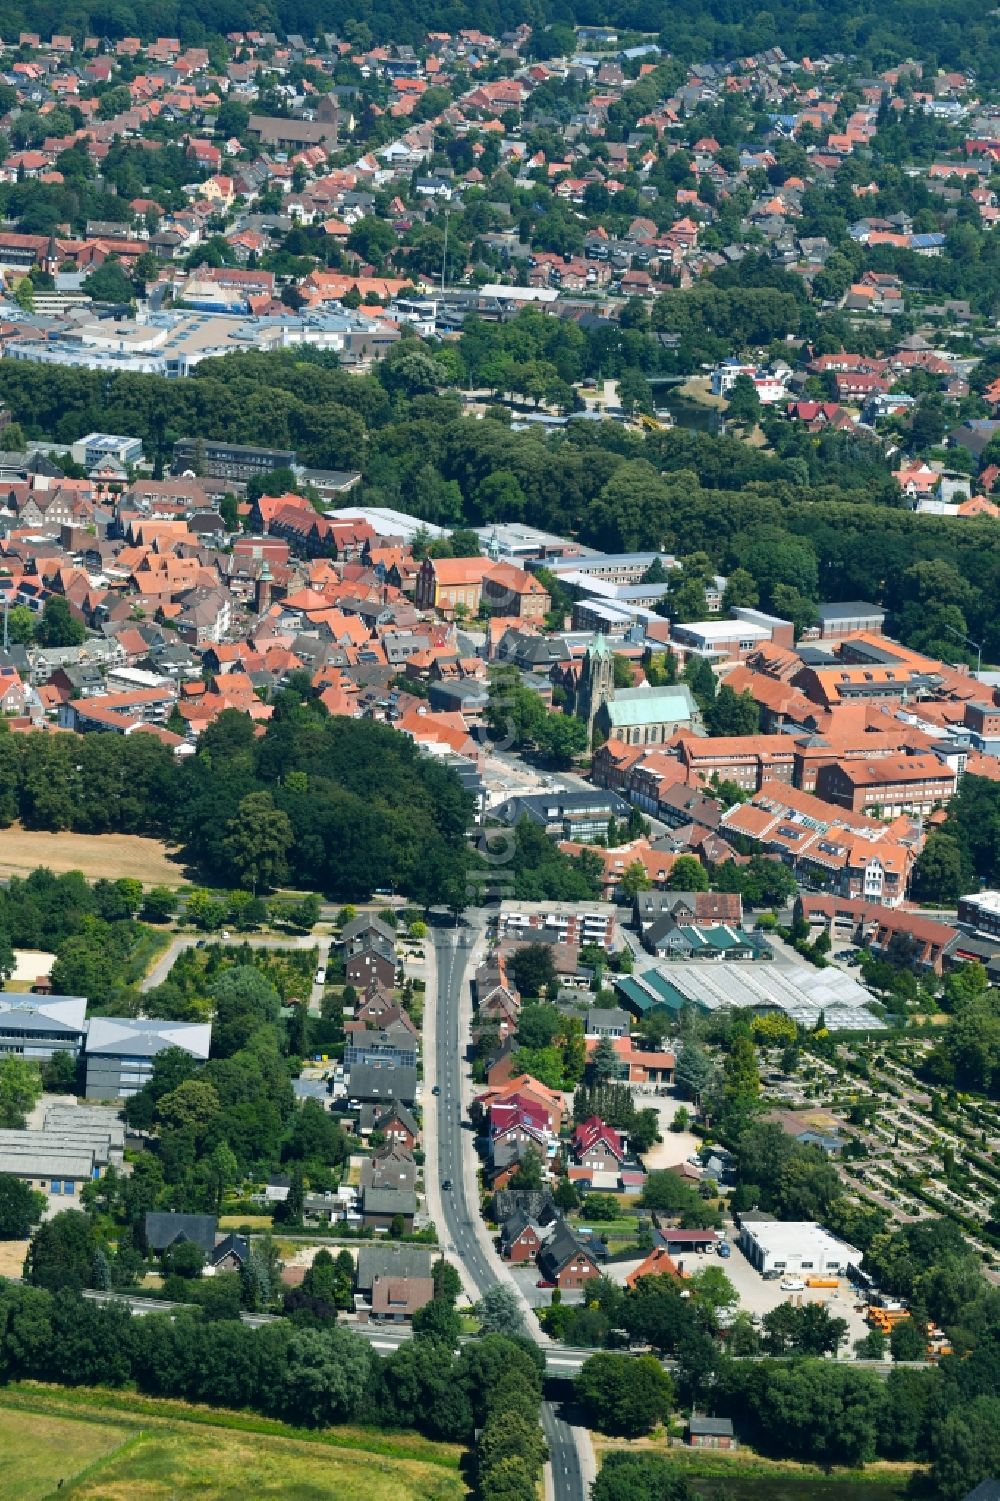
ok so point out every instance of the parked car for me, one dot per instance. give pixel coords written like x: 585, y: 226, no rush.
x: 542, y: 1283
x: 792, y: 1285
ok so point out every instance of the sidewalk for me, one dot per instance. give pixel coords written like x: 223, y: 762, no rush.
x: 429, y: 1106
x: 471, y: 1161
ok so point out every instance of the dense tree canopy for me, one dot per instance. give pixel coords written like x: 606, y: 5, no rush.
x: 342, y: 806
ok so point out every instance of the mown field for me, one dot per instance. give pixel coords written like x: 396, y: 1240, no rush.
x: 111, y: 1446
x: 96, y: 855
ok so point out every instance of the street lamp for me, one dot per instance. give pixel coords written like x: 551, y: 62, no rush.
x: 968, y: 642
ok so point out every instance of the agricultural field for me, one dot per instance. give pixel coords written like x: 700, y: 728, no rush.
x: 103, y: 1446
x: 96, y: 855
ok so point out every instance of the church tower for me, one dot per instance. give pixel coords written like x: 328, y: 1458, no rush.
x: 597, y: 682
x: 262, y: 589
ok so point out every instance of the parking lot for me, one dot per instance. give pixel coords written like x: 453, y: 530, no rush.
x: 757, y: 1295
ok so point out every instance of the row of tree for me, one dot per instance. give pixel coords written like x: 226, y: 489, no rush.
x: 308, y: 1374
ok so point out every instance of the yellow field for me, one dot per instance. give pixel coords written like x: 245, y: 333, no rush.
x: 109, y: 855
x: 110, y: 1446
x: 40, y: 1451
x: 12, y: 1254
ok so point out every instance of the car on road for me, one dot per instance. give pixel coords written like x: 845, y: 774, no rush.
x: 447, y: 1185
x: 436, y: 1089
x: 792, y: 1285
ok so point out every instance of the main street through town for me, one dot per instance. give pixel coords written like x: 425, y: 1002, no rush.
x: 461, y: 1227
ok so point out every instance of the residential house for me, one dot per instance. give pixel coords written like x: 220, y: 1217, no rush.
x: 381, y: 1207
x: 606, y: 1022
x: 381, y: 1083
x: 521, y: 1237
x: 396, y: 1299
x: 565, y: 1262
x: 367, y: 967
x: 657, y: 1264
x: 573, y: 923
x: 388, y: 1261
x: 497, y: 997
x: 597, y: 1146
x: 162, y: 1229
x: 398, y: 1125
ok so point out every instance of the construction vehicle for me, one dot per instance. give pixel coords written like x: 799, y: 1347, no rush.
x: 885, y: 1319
x: 937, y: 1343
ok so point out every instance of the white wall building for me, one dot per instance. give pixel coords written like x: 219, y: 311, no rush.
x: 795, y: 1246
x: 770, y: 386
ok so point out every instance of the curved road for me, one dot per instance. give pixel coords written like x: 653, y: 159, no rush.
x: 460, y: 1205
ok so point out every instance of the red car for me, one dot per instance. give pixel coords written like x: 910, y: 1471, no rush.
x: 542, y: 1283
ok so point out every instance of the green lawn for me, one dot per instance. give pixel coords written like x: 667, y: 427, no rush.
x: 623, y: 1229
x: 40, y: 1451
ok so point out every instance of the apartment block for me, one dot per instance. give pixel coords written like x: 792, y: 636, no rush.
x: 558, y: 922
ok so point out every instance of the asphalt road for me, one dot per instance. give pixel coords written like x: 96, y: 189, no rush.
x: 461, y: 1202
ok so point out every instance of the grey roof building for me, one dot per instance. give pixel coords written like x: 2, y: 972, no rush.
x: 86, y: 1120
x: 389, y: 1081
x: 392, y: 1171
x: 570, y: 815
x: 606, y: 1021
x: 391, y: 1261
x: 95, y: 1144
x: 560, y: 1250
x: 700, y: 1427
x: 364, y: 934
x: 51, y: 1169
x: 164, y: 1229
x: 36, y: 1026
x: 387, y: 1203
x: 120, y: 1051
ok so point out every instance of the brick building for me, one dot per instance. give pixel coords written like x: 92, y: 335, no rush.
x: 889, y: 787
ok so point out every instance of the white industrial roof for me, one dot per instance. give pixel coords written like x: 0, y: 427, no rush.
x: 386, y: 522
x: 723, y: 630
x: 798, y: 1237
